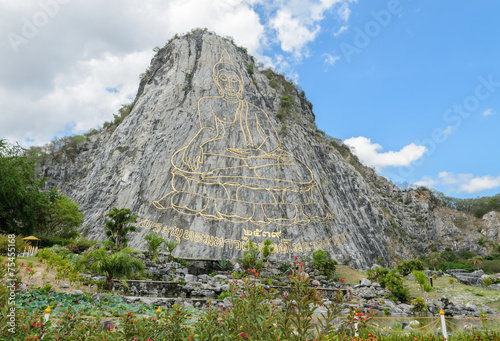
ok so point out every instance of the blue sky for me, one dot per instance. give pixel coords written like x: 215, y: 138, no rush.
x: 412, y: 86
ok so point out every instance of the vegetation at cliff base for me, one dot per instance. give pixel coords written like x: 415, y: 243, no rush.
x: 25, y: 206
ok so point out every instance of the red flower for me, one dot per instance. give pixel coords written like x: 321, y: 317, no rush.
x: 301, y: 263
x: 256, y: 274
x: 296, y: 257
x: 243, y: 335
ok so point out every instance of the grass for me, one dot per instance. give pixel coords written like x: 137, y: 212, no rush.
x: 459, y: 293
x: 350, y: 275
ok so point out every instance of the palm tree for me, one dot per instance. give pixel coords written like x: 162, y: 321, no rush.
x: 116, y: 229
x: 154, y: 242
x: 476, y: 262
x: 434, y: 259
x: 112, y: 265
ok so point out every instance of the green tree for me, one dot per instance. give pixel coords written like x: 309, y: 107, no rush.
x: 116, y: 229
x: 476, y: 262
x: 434, y: 259
x: 322, y: 263
x: 154, y: 242
x: 423, y: 283
x: 20, y: 191
x: 111, y: 265
x: 60, y: 218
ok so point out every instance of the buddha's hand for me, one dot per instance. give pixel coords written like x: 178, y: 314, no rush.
x: 193, y: 157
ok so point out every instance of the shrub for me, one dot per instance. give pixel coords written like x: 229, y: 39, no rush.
x: 4, y: 243
x: 225, y: 265
x: 407, y: 267
x: 223, y: 295
x: 78, y: 246
x: 449, y: 256
x: 423, y: 283
x: 183, y: 262
x: 493, y: 279
x: 456, y: 265
x: 324, y: 265
x: 491, y: 266
x: 251, y: 258
x: 284, y: 267
x: 419, y: 305
x: 392, y: 281
x: 154, y: 242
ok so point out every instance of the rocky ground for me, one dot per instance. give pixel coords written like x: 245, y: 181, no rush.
x: 175, y: 284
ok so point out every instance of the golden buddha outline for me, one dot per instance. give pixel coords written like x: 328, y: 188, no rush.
x: 234, y: 167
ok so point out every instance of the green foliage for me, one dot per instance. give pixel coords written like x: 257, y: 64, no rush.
x: 476, y: 206
x: 476, y: 262
x: 392, y: 281
x: 423, y: 283
x: 492, y: 279
x: 183, y: 262
x: 285, y: 107
x: 21, y: 196
x: 61, y: 217
x: 456, y: 265
x: 252, y: 258
x: 79, y: 246
x: 419, y: 305
x: 20, y: 243
x: 154, y: 242
x: 117, y: 229
x: 406, y: 267
x: 491, y: 266
x: 449, y: 256
x: 111, y: 265
x: 250, y: 70
x: 224, y: 265
x: 324, y: 265
x: 267, y: 249
x: 481, y: 241
x: 284, y: 267
x: 378, y: 275
x: 223, y: 295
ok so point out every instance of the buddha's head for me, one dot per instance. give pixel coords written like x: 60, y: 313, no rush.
x: 227, y: 78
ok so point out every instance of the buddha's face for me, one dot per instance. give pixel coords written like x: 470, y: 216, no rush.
x: 228, y: 82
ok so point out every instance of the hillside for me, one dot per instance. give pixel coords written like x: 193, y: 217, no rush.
x: 216, y: 151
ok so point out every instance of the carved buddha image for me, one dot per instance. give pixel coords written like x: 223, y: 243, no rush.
x: 235, y: 168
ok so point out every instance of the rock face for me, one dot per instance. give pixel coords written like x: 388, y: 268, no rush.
x: 216, y: 153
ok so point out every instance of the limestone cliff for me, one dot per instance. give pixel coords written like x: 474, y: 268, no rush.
x: 216, y: 152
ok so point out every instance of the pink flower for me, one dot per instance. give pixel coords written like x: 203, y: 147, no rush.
x: 243, y: 335
x: 301, y: 263
x: 256, y: 274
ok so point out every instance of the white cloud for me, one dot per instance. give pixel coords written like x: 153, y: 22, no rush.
x: 292, y: 33
x: 341, y: 30
x: 369, y: 153
x: 488, y: 112
x: 480, y: 183
x: 78, y: 101
x: 426, y: 181
x: 463, y: 182
x: 56, y: 82
x: 329, y: 59
x: 298, y: 22
x: 344, y: 12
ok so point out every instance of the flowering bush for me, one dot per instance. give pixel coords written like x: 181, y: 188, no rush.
x: 491, y: 279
